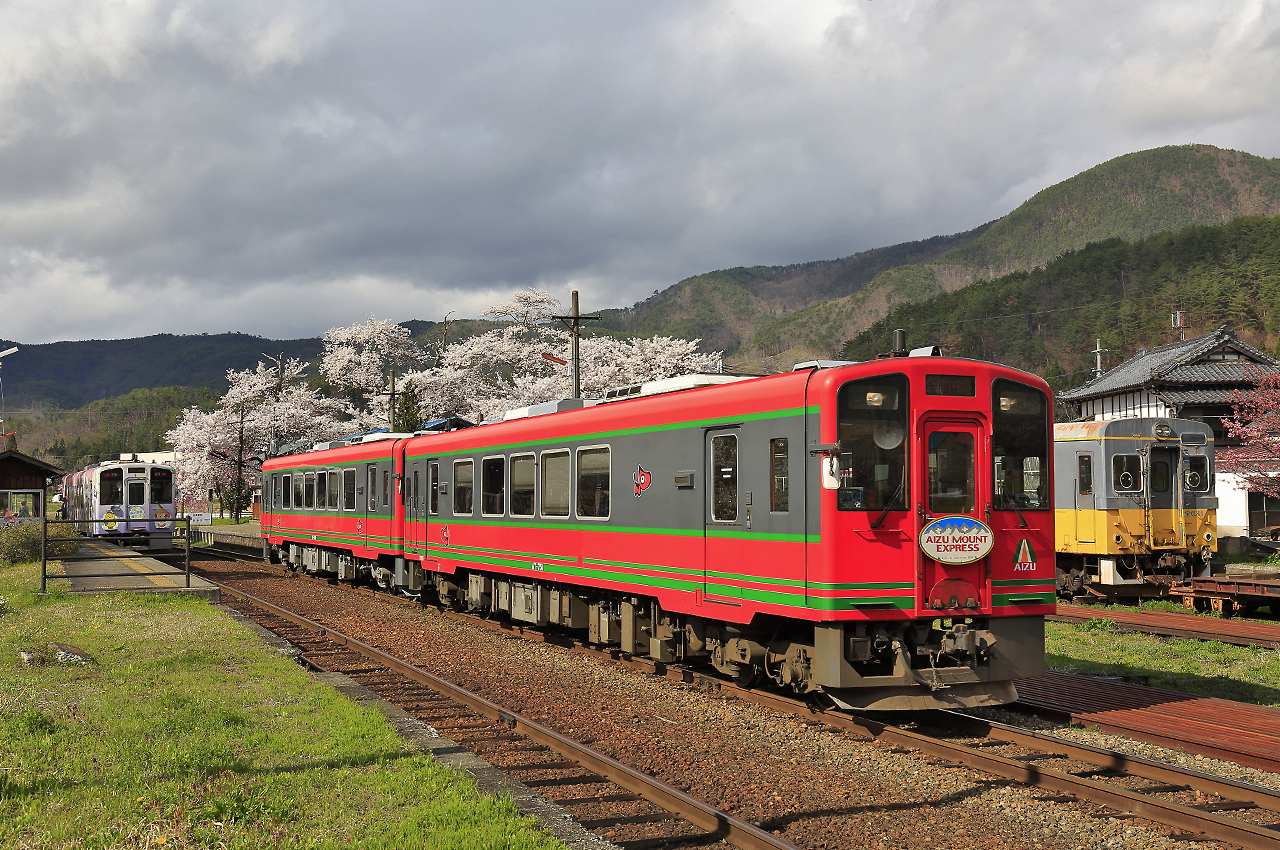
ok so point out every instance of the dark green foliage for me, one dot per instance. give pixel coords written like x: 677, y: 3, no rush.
x: 1046, y: 320
x: 21, y: 542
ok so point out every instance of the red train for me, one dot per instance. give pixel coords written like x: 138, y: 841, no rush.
x: 880, y: 532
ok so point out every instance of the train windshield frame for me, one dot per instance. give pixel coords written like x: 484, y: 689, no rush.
x: 1021, y: 447
x: 111, y: 487
x: 873, y: 420
x: 161, y: 485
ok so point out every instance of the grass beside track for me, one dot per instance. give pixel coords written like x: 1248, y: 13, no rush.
x: 187, y: 731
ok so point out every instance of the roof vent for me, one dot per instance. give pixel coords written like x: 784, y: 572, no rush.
x: 671, y: 385
x: 822, y: 364
x: 927, y: 351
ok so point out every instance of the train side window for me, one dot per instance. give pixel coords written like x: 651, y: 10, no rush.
x: 522, y: 485
x: 493, y: 486
x: 1195, y: 474
x: 335, y: 484
x: 593, y: 482
x: 779, y: 463
x: 433, y: 483
x: 286, y: 490
x: 373, y: 487
x: 1084, y: 470
x: 1160, y: 476
x: 724, y: 478
x: 322, y: 488
x: 556, y: 479
x: 309, y: 495
x: 871, y: 428
x: 1126, y: 473
x: 297, y: 491
x: 275, y: 492
x: 349, y: 489
x: 463, y: 485
x: 1021, y: 424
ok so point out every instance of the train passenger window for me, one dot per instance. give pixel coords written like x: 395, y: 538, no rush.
x: 349, y: 489
x: 593, y: 483
x: 872, y: 429
x: 493, y: 486
x: 1020, y: 439
x: 297, y: 491
x: 1084, y: 467
x: 951, y: 484
x: 309, y: 495
x: 724, y: 478
x: 161, y: 485
x: 463, y: 484
x: 111, y: 487
x: 335, y: 483
x: 1160, y: 476
x: 779, y: 461
x: 522, y: 481
x: 433, y: 483
x: 373, y: 487
x: 322, y: 487
x: 1126, y: 473
x: 555, y: 484
x: 286, y: 490
x: 1195, y: 474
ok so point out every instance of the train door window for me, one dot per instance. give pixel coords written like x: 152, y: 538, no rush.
x: 724, y: 478
x: 1160, y: 476
x: 556, y: 479
x: 493, y: 486
x: 322, y: 485
x: 309, y: 495
x: 372, y: 475
x: 951, y: 473
x: 1195, y: 474
x: 349, y: 489
x: 1084, y: 474
x: 111, y: 487
x: 522, y: 485
x: 297, y: 491
x: 137, y: 494
x: 433, y: 488
x: 335, y: 484
x: 161, y: 485
x: 275, y: 492
x: 386, y: 486
x: 413, y: 500
x: 779, y: 463
x: 871, y: 428
x: 593, y: 483
x: 1021, y: 424
x: 463, y: 485
x: 286, y: 490
x: 1126, y: 473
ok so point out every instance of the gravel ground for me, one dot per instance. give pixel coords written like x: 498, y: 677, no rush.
x: 815, y: 787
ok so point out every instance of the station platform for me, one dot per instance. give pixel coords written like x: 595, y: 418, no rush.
x: 247, y: 536
x: 107, y: 568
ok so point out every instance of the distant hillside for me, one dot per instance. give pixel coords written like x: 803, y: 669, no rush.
x: 1046, y: 320
x: 767, y: 317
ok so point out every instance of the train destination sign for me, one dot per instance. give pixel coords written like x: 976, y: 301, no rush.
x: 956, y: 539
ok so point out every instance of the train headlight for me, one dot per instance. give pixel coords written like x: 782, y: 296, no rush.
x: 1208, y: 536
x: 1118, y: 538
x: 1163, y: 430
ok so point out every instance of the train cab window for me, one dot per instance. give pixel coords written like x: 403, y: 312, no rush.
x: 522, y: 483
x: 493, y: 486
x: 593, y: 483
x: 1160, y: 476
x: 463, y: 485
x: 373, y: 487
x: 322, y: 488
x: 349, y: 489
x: 286, y: 490
x: 1195, y: 474
x: 1126, y: 473
x: 556, y: 478
x: 161, y: 485
x: 1020, y: 440
x: 111, y: 487
x: 724, y: 478
x: 335, y: 484
x: 433, y: 488
x: 779, y: 462
x: 1084, y: 474
x: 309, y: 494
x: 872, y: 429
x: 951, y: 472
x: 297, y: 491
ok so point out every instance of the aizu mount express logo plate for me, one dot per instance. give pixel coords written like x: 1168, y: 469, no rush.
x: 956, y: 539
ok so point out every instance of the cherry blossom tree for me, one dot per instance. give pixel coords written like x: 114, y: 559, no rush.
x: 359, y: 359
x: 1257, y: 425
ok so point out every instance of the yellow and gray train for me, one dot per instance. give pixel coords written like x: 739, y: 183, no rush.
x: 1135, y: 506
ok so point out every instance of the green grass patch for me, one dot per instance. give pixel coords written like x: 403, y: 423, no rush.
x: 187, y: 731
x: 1207, y: 668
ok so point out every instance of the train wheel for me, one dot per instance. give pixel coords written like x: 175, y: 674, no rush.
x: 1202, y: 605
x: 1223, y: 607
x: 1189, y: 602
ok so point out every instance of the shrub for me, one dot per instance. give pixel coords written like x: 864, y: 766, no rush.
x: 21, y: 542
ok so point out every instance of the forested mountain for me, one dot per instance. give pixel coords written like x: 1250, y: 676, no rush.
x: 1122, y: 292
x: 771, y: 316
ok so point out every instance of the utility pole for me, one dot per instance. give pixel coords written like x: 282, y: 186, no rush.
x: 1180, y: 323
x: 3, y: 440
x: 1097, y: 353
x: 391, y: 405
x: 573, y: 322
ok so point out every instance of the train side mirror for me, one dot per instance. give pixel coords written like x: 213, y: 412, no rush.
x: 830, y: 472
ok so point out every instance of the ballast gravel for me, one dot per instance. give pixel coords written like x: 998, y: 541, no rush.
x: 815, y: 787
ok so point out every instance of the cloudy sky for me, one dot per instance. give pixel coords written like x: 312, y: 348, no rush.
x: 282, y: 168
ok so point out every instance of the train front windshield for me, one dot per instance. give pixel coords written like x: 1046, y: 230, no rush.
x: 161, y: 486
x: 872, y: 430
x: 1020, y: 442
x: 111, y: 487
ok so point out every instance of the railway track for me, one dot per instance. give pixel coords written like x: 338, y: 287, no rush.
x: 1200, y: 805
x: 1168, y: 624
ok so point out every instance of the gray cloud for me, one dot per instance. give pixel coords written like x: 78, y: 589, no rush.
x: 281, y: 168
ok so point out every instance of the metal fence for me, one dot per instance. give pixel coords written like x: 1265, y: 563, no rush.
x: 181, y: 531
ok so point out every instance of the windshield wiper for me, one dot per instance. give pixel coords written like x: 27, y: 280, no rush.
x: 1022, y: 521
x: 884, y: 513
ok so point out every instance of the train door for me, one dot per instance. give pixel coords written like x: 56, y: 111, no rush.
x: 415, y: 531
x: 723, y: 565
x: 135, y: 495
x: 431, y: 504
x: 1085, y: 530
x: 955, y: 500
x: 370, y: 506
x: 1164, y: 496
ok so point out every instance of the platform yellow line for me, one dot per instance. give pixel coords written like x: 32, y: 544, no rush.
x: 158, y: 581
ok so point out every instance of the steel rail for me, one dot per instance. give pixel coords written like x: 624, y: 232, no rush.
x: 1164, y: 626
x: 712, y: 820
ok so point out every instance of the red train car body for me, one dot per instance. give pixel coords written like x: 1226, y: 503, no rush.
x: 880, y: 532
